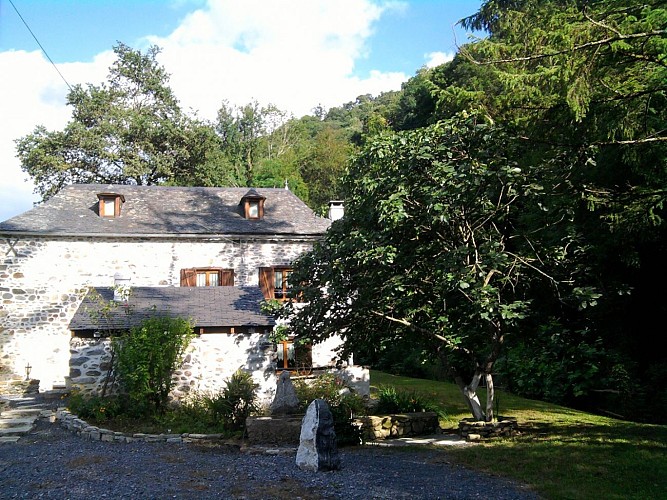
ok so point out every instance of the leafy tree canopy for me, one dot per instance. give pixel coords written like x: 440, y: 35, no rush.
x: 129, y: 130
x: 427, y: 249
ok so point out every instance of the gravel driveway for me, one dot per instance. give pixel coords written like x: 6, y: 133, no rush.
x: 51, y: 462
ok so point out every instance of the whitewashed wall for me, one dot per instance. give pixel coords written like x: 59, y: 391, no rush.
x: 42, y: 282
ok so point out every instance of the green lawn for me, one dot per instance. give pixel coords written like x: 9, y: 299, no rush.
x: 560, y: 452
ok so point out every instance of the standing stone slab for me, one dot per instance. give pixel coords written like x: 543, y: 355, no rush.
x: 317, y: 447
x: 286, y: 401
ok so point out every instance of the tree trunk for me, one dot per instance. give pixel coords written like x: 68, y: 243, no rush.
x: 490, y: 396
x: 470, y: 395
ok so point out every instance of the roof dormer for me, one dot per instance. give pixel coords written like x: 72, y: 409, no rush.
x: 109, y: 205
x: 252, y: 205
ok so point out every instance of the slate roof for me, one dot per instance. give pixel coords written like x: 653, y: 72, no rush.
x: 208, y: 306
x: 167, y: 211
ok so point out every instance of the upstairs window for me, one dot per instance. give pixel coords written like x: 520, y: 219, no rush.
x: 275, y: 282
x: 252, y: 205
x: 110, y: 204
x: 207, y: 276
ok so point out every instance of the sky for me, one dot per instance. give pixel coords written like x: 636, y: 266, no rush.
x: 295, y: 54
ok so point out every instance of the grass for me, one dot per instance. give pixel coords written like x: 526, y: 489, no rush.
x: 560, y: 453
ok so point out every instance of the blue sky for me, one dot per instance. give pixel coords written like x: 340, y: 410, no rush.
x: 296, y: 54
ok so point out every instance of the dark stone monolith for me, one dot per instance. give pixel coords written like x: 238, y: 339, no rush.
x: 317, y: 447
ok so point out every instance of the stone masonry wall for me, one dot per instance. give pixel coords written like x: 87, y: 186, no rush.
x: 42, y: 282
x: 211, y: 359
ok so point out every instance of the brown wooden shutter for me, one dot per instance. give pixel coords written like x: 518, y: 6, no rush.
x: 226, y: 277
x: 266, y: 282
x: 188, y: 277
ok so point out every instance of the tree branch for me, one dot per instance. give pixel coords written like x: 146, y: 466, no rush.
x: 419, y: 329
x: 576, y: 48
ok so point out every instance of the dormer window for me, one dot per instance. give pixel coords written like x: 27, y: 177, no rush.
x: 252, y: 205
x: 110, y: 203
x: 253, y: 209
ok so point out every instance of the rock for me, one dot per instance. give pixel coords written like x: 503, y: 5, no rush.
x: 286, y: 401
x: 317, y: 447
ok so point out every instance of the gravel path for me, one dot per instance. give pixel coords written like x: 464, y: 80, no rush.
x: 51, y: 462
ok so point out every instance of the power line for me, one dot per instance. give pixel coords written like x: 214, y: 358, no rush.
x: 40, y: 46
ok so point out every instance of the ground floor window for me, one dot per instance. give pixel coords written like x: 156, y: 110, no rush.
x: 294, y: 356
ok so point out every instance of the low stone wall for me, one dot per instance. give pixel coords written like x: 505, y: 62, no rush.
x: 83, y: 429
x: 283, y: 430
x: 17, y: 386
x: 399, y: 425
x: 474, y: 430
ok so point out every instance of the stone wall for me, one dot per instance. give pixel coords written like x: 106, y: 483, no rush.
x: 210, y: 361
x: 42, y: 282
x: 475, y: 430
x: 400, y: 425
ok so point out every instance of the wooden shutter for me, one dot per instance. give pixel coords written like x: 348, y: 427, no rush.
x: 266, y: 282
x: 226, y: 277
x: 188, y: 277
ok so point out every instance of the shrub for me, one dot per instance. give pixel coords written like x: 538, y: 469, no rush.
x: 392, y: 401
x: 344, y: 404
x: 235, y: 402
x: 146, y: 358
x: 95, y: 408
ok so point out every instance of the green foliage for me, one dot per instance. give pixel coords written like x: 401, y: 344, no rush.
x: 557, y: 366
x: 391, y: 401
x: 146, y: 358
x: 271, y: 307
x: 344, y: 404
x: 130, y: 130
x: 96, y: 408
x: 223, y: 412
x: 424, y: 252
x: 234, y: 403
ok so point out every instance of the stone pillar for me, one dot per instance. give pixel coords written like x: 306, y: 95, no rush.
x: 317, y: 447
x: 286, y: 401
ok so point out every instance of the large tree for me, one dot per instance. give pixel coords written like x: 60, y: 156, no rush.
x: 430, y: 249
x: 129, y: 130
x: 582, y: 85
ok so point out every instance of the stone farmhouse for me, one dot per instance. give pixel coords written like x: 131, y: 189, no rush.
x: 208, y: 254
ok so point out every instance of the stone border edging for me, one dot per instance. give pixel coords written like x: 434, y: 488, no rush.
x: 82, y: 428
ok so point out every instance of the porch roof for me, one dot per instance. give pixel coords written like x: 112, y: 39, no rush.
x: 211, y: 306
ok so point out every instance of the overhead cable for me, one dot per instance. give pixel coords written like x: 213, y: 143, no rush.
x: 40, y: 46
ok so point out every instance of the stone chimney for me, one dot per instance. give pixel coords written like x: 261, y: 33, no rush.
x: 336, y: 210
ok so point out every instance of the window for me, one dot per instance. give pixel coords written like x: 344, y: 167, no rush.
x: 253, y: 209
x: 281, y: 283
x: 252, y: 205
x: 274, y: 282
x: 293, y: 356
x: 207, y: 276
x: 109, y: 204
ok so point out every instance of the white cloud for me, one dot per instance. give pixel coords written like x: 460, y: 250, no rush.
x: 434, y: 59
x: 33, y: 94
x: 296, y: 54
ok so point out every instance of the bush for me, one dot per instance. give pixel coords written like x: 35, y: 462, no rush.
x: 146, y: 358
x: 391, y: 401
x: 344, y: 404
x: 95, y: 408
x: 234, y: 403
